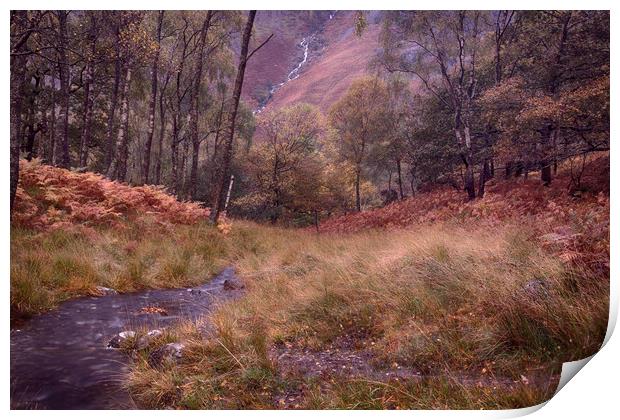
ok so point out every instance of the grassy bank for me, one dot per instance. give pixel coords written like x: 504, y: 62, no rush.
x: 465, y: 317
x: 49, y: 267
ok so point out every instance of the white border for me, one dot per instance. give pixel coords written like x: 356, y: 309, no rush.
x: 592, y: 394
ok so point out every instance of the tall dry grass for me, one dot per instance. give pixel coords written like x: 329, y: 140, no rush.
x: 48, y: 267
x: 447, y: 301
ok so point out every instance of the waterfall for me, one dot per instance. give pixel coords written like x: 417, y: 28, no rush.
x: 294, y: 74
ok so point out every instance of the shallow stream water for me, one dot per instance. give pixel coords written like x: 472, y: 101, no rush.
x: 60, y: 359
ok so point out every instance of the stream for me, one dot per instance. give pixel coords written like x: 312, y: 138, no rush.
x: 60, y: 359
x: 293, y: 74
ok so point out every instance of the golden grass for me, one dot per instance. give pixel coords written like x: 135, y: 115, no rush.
x: 445, y: 300
x: 51, y: 266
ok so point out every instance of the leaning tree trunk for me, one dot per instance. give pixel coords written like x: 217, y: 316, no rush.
x: 232, y: 117
x: 18, y: 72
x: 120, y: 155
x: 146, y: 163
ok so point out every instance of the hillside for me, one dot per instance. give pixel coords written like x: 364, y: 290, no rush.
x: 575, y: 223
x: 336, y: 57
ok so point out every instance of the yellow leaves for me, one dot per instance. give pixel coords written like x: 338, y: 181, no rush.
x: 224, y: 226
x: 137, y: 43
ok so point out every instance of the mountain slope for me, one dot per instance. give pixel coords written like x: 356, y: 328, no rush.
x: 335, y: 56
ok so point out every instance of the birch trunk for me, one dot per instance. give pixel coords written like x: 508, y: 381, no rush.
x: 193, y: 127
x: 120, y: 156
x: 232, y: 117
x: 146, y: 163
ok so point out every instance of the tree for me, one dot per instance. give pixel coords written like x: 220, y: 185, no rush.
x: 65, y: 79
x: 287, y: 145
x: 136, y: 47
x: 446, y: 44
x: 224, y: 167
x: 87, y: 118
x: 544, y: 109
x: 21, y: 30
x: 359, y: 118
x: 153, y: 99
x: 194, y: 99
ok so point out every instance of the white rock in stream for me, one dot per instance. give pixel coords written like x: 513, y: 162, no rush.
x: 105, y: 291
x: 120, y: 338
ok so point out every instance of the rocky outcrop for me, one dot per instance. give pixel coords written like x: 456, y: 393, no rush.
x: 105, y: 291
x: 537, y: 288
x: 166, y: 354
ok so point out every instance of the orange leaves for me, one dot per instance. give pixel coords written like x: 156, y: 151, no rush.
x: 526, y: 201
x: 49, y: 197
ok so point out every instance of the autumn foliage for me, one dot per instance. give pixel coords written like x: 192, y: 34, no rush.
x: 576, y: 224
x: 51, y: 198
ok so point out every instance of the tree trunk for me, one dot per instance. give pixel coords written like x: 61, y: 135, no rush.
x: 232, y: 117
x: 400, y: 179
x: 545, y: 161
x: 545, y: 172
x: 88, y: 100
x: 182, y: 188
x: 216, y: 141
x: 174, y: 154
x: 176, y: 122
x: 484, y: 176
x: 316, y: 220
x: 51, y: 157
x: 109, y: 150
x: 162, y: 130
x: 509, y: 168
x: 469, y: 170
x: 193, y: 182
x: 193, y: 127
x: 146, y: 163
x: 18, y: 71
x: 120, y: 156
x: 65, y: 160
x: 31, y: 135
x: 469, y: 182
x: 358, y: 200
